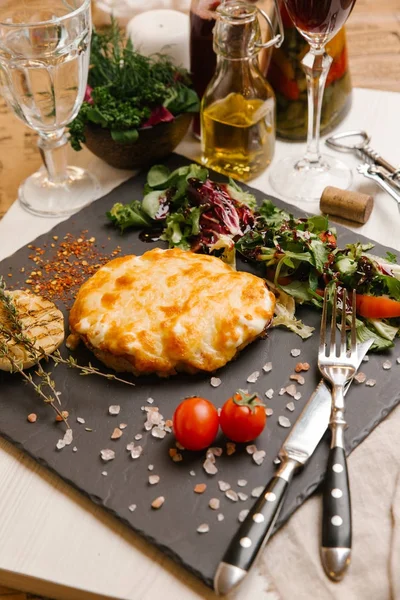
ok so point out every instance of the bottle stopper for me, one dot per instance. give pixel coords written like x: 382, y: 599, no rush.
x: 352, y: 206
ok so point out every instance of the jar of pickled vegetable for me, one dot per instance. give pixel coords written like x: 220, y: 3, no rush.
x: 287, y: 77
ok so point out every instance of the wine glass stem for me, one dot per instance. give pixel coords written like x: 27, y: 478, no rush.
x: 52, y: 146
x: 316, y: 65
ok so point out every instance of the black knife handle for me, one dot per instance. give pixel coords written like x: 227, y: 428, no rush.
x: 336, y: 524
x: 255, y: 530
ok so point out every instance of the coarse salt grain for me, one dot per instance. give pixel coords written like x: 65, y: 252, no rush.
x: 398, y: 360
x: 132, y: 507
x: 387, y: 365
x: 150, y: 467
x: 65, y: 441
x: 214, y: 503
x: 154, y: 479
x: 74, y: 449
x: 220, y: 517
x: 215, y: 382
x: 267, y: 367
x: 209, y: 467
x: 243, y: 497
x: 232, y: 495
x: 136, y: 452
x: 104, y: 473
x: 243, y: 514
x: 242, y: 482
x: 216, y: 451
x: 192, y: 473
x: 32, y: 418
x: 290, y: 406
x: 259, y: 456
x: 253, y: 377
x: 299, y: 378
x: 269, y: 412
x: 203, y: 528
x: 107, y: 454
x: 251, y: 448
x: 138, y: 436
x: 277, y: 461
x: 295, y: 352
x: 282, y: 391
x: 370, y: 382
x: 297, y: 396
x: 150, y: 400
x: 360, y: 377
x: 269, y: 393
x: 284, y: 422
x: 81, y: 420
x: 159, y: 433
x: 291, y: 390
x: 365, y: 359
x: 114, y: 409
x: 123, y: 425
x: 223, y: 486
x: 257, y: 491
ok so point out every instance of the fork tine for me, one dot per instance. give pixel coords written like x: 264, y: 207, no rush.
x: 322, y: 335
x: 353, y: 336
x: 332, y: 349
x: 343, y: 345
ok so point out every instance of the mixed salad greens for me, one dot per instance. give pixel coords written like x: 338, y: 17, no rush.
x: 300, y: 255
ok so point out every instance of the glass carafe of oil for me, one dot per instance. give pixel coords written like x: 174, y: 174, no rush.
x: 238, y: 107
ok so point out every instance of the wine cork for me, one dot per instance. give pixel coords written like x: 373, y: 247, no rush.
x: 352, y: 206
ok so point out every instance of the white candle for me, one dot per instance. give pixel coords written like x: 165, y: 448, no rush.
x: 163, y: 30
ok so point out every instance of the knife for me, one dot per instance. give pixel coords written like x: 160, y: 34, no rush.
x: 256, y: 529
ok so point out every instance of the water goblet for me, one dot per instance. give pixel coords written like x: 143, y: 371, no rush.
x: 44, y: 61
x: 305, y: 178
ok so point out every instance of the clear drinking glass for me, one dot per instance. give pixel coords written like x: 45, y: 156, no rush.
x: 305, y: 178
x: 44, y: 61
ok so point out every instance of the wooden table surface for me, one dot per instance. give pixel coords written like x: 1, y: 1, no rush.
x: 374, y: 50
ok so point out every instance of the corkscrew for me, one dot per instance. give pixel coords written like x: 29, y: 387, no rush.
x: 375, y: 167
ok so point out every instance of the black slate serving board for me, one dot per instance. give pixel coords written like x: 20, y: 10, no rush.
x: 173, y: 527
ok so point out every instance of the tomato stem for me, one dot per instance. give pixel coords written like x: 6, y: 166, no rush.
x: 242, y: 398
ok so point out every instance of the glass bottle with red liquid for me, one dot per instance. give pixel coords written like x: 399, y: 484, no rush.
x: 288, y: 79
x: 202, y: 56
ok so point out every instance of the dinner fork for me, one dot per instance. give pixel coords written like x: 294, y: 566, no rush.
x: 338, y: 368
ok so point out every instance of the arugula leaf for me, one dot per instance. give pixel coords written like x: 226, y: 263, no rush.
x: 125, y: 137
x: 128, y: 215
x: 298, y: 290
x: 320, y: 254
x: 152, y: 205
x: 390, y: 257
x: 365, y: 333
x: 236, y: 192
x: 158, y: 175
x: 271, y: 214
x: 391, y: 284
x: 161, y: 178
x: 317, y: 223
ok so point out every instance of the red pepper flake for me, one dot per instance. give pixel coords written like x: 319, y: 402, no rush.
x: 59, y: 274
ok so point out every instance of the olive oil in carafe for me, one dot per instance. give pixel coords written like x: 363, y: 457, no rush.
x: 238, y: 135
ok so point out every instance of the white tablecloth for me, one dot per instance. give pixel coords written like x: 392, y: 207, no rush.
x: 290, y: 566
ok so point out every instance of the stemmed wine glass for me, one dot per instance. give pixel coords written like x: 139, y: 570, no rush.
x: 304, y: 178
x: 44, y: 61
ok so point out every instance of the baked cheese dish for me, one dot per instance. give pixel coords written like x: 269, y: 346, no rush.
x: 168, y: 311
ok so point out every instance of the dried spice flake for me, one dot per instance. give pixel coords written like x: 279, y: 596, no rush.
x: 302, y: 367
x: 230, y: 448
x: 158, y: 502
x: 200, y: 488
x: 32, y: 418
x: 116, y: 434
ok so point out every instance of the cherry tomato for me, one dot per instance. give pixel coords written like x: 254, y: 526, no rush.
x: 377, y: 307
x: 242, y: 417
x: 195, y: 423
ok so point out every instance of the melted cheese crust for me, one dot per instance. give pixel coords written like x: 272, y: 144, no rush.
x: 169, y: 311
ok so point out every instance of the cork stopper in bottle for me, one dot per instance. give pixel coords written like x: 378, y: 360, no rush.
x: 352, y: 206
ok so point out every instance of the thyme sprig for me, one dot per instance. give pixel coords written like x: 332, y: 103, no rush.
x: 88, y: 369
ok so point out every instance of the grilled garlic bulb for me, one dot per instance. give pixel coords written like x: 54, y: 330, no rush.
x: 42, y: 323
